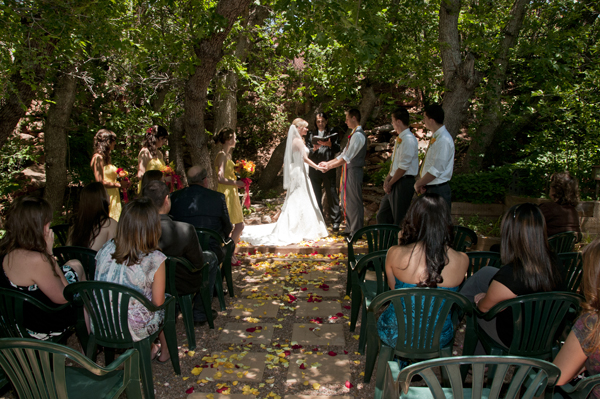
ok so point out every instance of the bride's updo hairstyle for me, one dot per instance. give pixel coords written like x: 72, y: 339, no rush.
x: 224, y: 135
x: 299, y: 122
x: 428, y: 221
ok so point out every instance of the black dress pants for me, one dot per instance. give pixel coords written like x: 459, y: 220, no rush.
x: 327, y: 181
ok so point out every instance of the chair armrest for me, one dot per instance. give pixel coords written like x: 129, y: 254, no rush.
x: 129, y: 356
x: 583, y: 387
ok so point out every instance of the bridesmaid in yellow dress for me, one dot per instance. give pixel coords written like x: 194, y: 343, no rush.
x: 105, y: 172
x: 150, y: 157
x: 228, y: 184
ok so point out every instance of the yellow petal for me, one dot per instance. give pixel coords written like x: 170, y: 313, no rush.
x: 316, y: 385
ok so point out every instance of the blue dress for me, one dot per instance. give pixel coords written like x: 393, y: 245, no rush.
x: 387, y: 325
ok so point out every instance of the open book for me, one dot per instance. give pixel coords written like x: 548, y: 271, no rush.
x: 316, y: 139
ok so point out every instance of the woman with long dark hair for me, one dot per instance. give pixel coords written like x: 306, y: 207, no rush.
x: 104, y: 171
x: 582, y: 347
x: 133, y: 259
x: 529, y: 266
x: 28, y: 265
x: 150, y: 156
x: 423, y: 258
x: 93, y: 226
x: 560, y: 213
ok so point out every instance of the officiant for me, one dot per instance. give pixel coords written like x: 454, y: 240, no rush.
x: 324, y: 144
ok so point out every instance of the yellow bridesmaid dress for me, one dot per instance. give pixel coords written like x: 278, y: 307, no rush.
x: 153, y: 164
x: 114, y: 208
x: 234, y: 207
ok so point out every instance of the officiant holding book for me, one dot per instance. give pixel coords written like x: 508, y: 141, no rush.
x: 324, y: 144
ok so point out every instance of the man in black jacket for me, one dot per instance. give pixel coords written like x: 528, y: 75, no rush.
x: 202, y: 207
x: 179, y: 239
x: 324, y: 151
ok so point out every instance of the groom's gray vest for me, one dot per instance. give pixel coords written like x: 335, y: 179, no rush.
x: 359, y: 160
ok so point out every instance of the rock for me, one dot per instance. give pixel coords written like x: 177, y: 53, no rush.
x: 253, y: 220
x: 373, y: 207
x: 266, y: 219
x: 37, y: 174
x: 26, y: 137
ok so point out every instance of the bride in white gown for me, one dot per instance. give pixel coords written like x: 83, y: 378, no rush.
x: 300, y: 217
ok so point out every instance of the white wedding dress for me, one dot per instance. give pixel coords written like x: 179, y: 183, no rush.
x: 300, y: 217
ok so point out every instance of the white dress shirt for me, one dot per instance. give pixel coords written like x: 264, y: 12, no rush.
x: 356, y: 143
x: 439, y: 160
x: 406, y: 154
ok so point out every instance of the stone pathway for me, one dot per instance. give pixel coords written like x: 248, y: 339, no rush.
x: 286, y: 334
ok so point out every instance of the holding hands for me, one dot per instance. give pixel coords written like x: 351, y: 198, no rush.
x: 323, y: 167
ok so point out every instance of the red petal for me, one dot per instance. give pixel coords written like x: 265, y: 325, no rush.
x: 349, y: 385
x: 302, y: 367
x: 339, y: 314
x: 332, y: 353
x: 347, y: 307
x: 345, y: 352
x: 251, y: 329
x: 287, y: 353
x: 296, y: 346
x: 191, y: 390
x: 303, y: 288
x: 333, y: 317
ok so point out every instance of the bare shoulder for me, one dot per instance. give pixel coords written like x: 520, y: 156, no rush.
x: 458, y: 261
x: 110, y: 222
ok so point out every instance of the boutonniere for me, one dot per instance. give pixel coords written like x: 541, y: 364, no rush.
x: 398, y: 140
x: 432, y: 141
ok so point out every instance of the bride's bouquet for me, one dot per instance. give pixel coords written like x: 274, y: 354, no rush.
x: 245, y: 169
x: 123, y: 176
x: 172, y: 179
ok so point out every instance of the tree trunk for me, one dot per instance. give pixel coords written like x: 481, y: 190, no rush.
x: 209, y: 51
x: 268, y: 177
x: 492, y: 111
x: 55, y: 138
x: 460, y: 76
x: 227, y: 83
x: 367, y: 103
x: 176, y: 144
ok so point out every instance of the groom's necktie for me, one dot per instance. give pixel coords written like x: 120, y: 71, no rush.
x: 344, y: 178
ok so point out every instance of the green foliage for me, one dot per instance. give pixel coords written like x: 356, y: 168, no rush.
x: 481, y: 188
x: 15, y: 155
x: 378, y: 177
x: 481, y: 226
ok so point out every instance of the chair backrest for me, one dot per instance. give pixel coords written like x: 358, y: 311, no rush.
x: 479, y: 259
x: 573, y: 265
x: 107, y: 305
x: 563, y: 242
x: 463, y: 238
x: 374, y: 261
x: 171, y: 264
x: 379, y: 237
x: 86, y: 256
x: 537, y: 319
x: 419, y: 335
x: 38, y: 369
x: 61, y: 232
x: 204, y: 236
x: 529, y: 379
x: 13, y: 308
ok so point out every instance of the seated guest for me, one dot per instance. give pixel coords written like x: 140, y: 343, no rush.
x: 151, y: 175
x: 179, y: 239
x: 93, y: 227
x: 202, y: 208
x: 29, y: 267
x: 132, y: 259
x: 529, y: 267
x: 560, y: 213
x: 423, y: 258
x: 582, y: 347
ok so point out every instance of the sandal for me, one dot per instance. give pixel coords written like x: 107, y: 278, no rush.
x: 156, y: 354
x: 162, y: 361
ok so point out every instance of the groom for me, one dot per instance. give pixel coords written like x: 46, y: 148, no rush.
x: 352, y: 160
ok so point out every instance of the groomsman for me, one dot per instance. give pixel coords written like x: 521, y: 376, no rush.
x: 437, y: 167
x: 324, y: 151
x: 352, y: 160
x: 399, y: 183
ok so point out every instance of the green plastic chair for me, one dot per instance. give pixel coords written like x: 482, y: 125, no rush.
x: 3, y: 379
x: 421, y: 332
x: 111, y: 328
x: 581, y: 390
x: 538, y: 319
x: 38, y: 369
x: 204, y: 236
x: 186, y: 302
x: 464, y: 238
x: 363, y: 290
x: 563, y: 242
x: 61, y: 232
x: 86, y: 256
x: 573, y: 266
x: 530, y: 378
x: 13, y: 310
x: 479, y: 259
x: 379, y: 237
